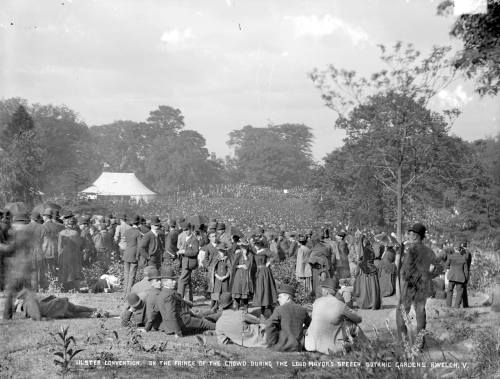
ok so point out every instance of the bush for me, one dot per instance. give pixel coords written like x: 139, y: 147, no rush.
x: 483, y: 271
x: 284, y: 273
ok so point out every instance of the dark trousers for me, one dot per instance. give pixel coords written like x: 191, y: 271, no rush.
x: 50, y: 265
x: 195, y: 325
x: 185, y: 280
x: 129, y: 271
x: 12, y: 287
x: 409, y: 296
x: 39, y: 275
x: 459, y: 296
x: 465, y: 297
x: 2, y: 273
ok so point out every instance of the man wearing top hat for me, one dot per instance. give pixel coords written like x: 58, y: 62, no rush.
x: 18, y: 252
x: 416, y: 279
x: 188, y: 254
x: 285, y: 327
x: 133, y: 238
x: 152, y: 245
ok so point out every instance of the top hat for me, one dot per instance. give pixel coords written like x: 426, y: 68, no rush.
x: 221, y: 226
x: 136, y: 220
x: 342, y: 234
x: 155, y: 220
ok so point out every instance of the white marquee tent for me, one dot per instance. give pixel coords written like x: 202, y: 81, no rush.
x: 119, y: 185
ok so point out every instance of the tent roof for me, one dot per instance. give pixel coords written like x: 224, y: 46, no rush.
x: 118, y: 184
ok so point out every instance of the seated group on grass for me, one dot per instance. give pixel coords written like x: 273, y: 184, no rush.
x: 155, y: 304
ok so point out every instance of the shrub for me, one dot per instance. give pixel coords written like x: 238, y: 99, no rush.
x: 284, y: 272
x: 483, y: 271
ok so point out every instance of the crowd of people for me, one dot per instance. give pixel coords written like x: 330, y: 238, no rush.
x: 247, y: 306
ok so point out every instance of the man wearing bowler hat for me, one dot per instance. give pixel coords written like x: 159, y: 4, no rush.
x: 133, y: 238
x: 177, y: 317
x: 171, y: 238
x: 188, y: 254
x: 153, y: 244
x: 38, y: 275
x: 285, y: 327
x: 120, y: 234
x: 416, y: 279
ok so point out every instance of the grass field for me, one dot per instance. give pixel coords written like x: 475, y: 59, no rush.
x: 28, y: 348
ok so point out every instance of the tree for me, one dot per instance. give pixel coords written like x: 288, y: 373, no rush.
x: 20, y: 157
x: 68, y: 156
x: 480, y: 57
x: 389, y: 128
x: 279, y: 155
x: 181, y: 162
x: 166, y: 119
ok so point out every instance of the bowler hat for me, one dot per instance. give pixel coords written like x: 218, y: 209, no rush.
x: 331, y: 283
x: 136, y: 220
x: 225, y: 300
x: 286, y: 288
x: 419, y: 229
x: 185, y: 225
x: 342, y: 234
x: 155, y: 220
x: 302, y: 238
x: 123, y: 217
x: 133, y: 300
x: 172, y: 223
x: 221, y: 226
x: 212, y: 225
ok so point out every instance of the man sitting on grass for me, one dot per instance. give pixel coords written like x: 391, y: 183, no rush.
x: 176, y: 315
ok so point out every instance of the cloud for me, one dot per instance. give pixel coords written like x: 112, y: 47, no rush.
x: 456, y: 98
x: 328, y: 25
x: 176, y: 36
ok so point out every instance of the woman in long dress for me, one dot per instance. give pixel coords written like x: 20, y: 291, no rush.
x: 243, y: 276
x: 387, y: 273
x: 368, y: 284
x: 265, y: 287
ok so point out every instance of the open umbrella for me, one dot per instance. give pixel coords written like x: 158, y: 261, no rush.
x: 17, y: 207
x: 198, y: 220
x: 41, y: 207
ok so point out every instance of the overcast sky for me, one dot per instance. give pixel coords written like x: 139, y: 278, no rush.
x: 223, y: 63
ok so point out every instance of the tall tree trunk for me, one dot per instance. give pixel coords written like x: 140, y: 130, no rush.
x: 399, y: 196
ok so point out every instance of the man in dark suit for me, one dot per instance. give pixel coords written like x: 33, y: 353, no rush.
x: 176, y: 315
x: 133, y: 238
x: 285, y: 327
x: 171, y: 243
x: 416, y: 279
x: 458, y: 274
x: 188, y: 254
x: 152, y: 245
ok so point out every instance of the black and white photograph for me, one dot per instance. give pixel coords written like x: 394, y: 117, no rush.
x: 250, y: 188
